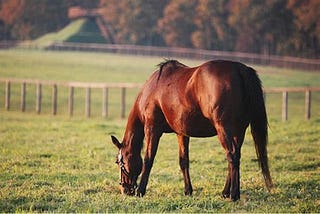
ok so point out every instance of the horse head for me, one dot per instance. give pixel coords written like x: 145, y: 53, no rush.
x: 130, y: 168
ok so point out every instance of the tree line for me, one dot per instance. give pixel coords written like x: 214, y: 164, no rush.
x: 277, y: 27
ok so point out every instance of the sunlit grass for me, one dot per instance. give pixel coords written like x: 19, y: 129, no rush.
x: 105, y: 67
x: 67, y: 165
x: 62, y: 164
x: 102, y: 67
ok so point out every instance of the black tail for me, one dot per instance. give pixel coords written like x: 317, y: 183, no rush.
x: 258, y: 121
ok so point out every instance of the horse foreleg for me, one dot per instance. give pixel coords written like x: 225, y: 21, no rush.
x: 184, y: 163
x: 152, y: 141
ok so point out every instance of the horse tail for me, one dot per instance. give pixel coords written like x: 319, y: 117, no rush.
x: 258, y: 121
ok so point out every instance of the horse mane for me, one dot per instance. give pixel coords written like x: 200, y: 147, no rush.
x: 169, y: 65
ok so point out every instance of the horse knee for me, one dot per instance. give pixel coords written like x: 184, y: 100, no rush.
x: 233, y: 159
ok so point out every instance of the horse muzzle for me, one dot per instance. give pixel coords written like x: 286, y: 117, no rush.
x: 128, y: 189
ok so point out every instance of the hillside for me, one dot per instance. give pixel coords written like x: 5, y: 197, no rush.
x: 83, y: 30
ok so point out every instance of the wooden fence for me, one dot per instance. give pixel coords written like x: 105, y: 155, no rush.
x: 285, y: 92
x: 71, y: 88
x: 123, y: 87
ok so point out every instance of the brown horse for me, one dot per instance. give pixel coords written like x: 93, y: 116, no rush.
x: 216, y: 98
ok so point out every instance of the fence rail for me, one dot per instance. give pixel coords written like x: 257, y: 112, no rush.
x: 285, y: 92
x: 71, y: 86
x: 123, y: 88
x: 260, y: 59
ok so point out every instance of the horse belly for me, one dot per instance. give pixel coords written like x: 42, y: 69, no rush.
x: 198, y: 126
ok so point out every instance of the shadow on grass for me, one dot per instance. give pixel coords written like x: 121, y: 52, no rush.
x: 298, y: 196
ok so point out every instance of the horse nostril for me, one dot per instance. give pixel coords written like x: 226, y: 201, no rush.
x: 129, y: 191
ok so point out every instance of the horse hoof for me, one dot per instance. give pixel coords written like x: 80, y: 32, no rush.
x: 188, y: 193
x: 140, y: 194
x: 235, y: 198
x: 225, y: 194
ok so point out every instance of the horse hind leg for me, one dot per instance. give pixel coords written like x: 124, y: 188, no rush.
x: 184, y: 163
x: 226, y: 189
x: 232, y: 145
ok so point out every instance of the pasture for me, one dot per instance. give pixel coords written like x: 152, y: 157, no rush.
x: 62, y: 164
x: 98, y: 67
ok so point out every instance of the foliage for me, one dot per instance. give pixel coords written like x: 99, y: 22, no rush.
x: 213, y: 32
x: 281, y: 27
x: 134, y: 22
x: 177, y: 23
x: 269, y: 34
x: 307, y: 21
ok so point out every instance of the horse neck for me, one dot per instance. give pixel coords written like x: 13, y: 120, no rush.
x: 134, y: 135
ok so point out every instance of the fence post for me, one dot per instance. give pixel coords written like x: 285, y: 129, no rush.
x: 8, y: 93
x: 87, y: 103
x: 38, y: 98
x: 71, y: 93
x: 308, y: 105
x: 105, y: 102
x: 284, y: 106
x: 54, y: 99
x: 23, y: 97
x: 123, y: 103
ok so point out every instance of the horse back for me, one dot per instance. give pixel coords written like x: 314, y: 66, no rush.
x: 188, y: 101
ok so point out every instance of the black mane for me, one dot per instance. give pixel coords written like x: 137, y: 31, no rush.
x: 169, y: 64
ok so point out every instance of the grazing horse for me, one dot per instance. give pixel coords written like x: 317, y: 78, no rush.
x: 216, y: 98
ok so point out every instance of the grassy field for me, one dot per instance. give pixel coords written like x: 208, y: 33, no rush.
x: 67, y: 165
x: 102, y: 67
x: 62, y: 164
x: 99, y: 67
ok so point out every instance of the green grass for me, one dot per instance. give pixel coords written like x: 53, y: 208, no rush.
x: 104, y: 67
x: 67, y: 165
x: 61, y: 164
x: 73, y: 66
x: 100, y: 67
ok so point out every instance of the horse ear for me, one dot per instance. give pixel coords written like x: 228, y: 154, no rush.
x: 116, y: 142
